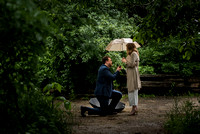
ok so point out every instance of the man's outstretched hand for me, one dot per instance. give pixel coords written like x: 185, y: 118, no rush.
x: 119, y: 68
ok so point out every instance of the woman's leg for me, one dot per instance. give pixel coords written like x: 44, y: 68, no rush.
x: 133, y: 100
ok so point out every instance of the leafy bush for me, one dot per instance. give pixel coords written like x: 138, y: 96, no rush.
x: 183, y: 119
x: 49, y: 88
x: 24, y: 29
x: 36, y: 114
x: 40, y: 116
x: 165, y: 57
x: 165, y: 20
x: 146, y: 69
x: 73, y: 59
x: 53, y: 91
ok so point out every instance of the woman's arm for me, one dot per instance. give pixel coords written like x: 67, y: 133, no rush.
x: 133, y: 61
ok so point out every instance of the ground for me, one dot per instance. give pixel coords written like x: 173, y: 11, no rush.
x: 150, y: 118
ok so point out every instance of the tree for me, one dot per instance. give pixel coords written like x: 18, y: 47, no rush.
x: 24, y: 29
x: 84, y: 34
x: 173, y: 19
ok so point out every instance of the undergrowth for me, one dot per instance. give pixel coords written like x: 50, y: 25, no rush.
x: 183, y: 118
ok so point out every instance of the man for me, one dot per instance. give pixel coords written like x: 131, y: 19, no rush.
x: 104, y: 90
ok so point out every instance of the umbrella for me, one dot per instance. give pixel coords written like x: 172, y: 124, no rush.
x: 120, y: 44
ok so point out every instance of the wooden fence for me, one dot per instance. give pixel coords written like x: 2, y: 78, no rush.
x: 163, y: 83
x: 159, y: 84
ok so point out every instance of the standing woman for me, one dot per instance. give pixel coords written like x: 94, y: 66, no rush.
x: 133, y: 76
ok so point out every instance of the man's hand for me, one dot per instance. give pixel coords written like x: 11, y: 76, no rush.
x: 119, y: 68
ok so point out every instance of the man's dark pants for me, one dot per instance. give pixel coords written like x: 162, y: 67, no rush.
x: 105, y: 107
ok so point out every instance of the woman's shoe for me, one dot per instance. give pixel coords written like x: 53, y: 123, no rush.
x: 134, y: 113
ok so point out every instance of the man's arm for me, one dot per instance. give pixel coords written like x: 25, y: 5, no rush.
x: 109, y: 75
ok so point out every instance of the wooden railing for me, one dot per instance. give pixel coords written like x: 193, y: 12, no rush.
x: 164, y: 83
x: 159, y: 84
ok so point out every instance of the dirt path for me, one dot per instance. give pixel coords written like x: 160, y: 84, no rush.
x: 149, y: 120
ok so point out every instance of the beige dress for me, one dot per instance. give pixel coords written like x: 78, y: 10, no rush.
x: 133, y: 76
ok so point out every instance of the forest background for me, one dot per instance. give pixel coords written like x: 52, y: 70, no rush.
x: 62, y: 42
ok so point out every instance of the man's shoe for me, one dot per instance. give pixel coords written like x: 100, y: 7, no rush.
x: 83, y: 110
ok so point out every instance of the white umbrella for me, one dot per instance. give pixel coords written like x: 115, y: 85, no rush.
x: 120, y: 44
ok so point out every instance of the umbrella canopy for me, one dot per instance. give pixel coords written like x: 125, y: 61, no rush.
x: 120, y: 44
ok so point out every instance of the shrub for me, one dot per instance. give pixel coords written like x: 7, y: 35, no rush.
x: 36, y: 114
x: 165, y: 58
x: 183, y: 119
x: 146, y: 70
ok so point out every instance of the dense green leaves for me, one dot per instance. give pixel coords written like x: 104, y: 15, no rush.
x: 166, y: 58
x: 177, y: 19
x: 23, y: 109
x: 21, y: 41
x: 183, y: 118
x: 85, y: 32
x: 52, y: 87
x: 63, y: 41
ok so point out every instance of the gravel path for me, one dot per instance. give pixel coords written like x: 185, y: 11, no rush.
x: 150, y: 118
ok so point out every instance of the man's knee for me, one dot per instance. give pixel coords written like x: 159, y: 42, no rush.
x: 117, y: 94
x: 120, y: 95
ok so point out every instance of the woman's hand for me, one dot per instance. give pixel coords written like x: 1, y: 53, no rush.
x: 124, y: 60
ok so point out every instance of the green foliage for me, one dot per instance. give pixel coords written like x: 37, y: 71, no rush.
x: 183, y: 118
x: 72, y: 95
x: 166, y: 58
x: 39, y: 115
x: 74, y: 59
x: 147, y: 95
x: 170, y: 67
x: 190, y: 94
x: 177, y: 19
x: 86, y: 97
x: 116, y: 60
x: 67, y: 103
x: 24, y: 29
x: 146, y: 69
x: 50, y: 91
x: 125, y: 96
x: 36, y: 115
x: 52, y: 87
x: 43, y: 41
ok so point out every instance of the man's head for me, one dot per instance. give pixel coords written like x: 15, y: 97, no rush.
x: 107, y: 61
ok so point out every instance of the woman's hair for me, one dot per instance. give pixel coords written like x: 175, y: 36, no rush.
x: 130, y: 47
x: 104, y: 59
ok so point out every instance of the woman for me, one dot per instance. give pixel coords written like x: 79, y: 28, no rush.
x: 133, y: 76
